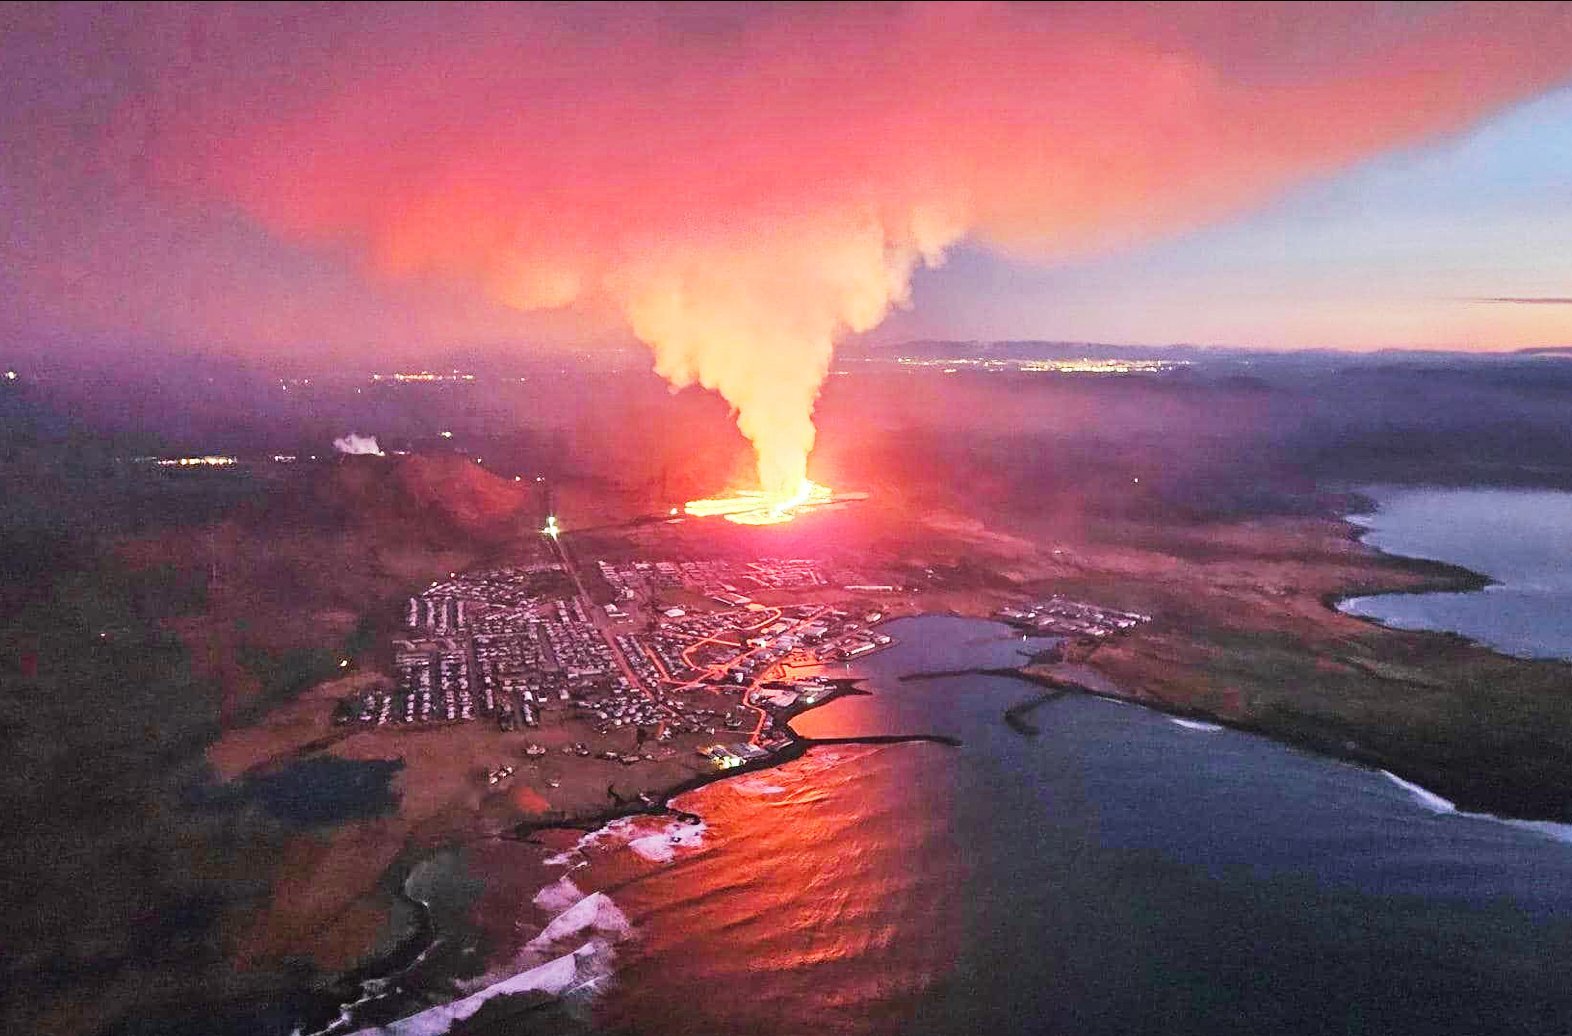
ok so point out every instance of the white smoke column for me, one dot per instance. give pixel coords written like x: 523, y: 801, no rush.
x: 360, y: 445
x: 756, y: 320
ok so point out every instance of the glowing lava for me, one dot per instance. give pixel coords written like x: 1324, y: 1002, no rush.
x: 756, y: 507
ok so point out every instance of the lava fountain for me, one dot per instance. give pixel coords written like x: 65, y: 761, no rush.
x: 758, y: 507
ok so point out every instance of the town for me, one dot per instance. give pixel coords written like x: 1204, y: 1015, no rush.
x: 680, y: 651
x: 679, y: 656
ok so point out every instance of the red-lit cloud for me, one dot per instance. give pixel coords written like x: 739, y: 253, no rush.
x: 742, y: 186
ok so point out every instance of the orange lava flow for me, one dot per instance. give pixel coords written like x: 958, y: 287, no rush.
x: 756, y: 507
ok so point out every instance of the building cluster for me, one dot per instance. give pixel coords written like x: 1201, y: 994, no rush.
x: 780, y: 695
x: 653, y: 661
x: 725, y: 757
x: 433, y: 685
x: 516, y: 670
x: 515, y: 585
x: 729, y: 582
x: 489, y: 643
x: 516, y: 646
x: 1059, y: 616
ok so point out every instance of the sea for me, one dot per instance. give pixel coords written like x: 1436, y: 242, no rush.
x: 1520, y: 539
x: 1121, y: 872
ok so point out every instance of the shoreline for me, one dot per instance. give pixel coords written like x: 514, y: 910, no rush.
x: 1454, y: 578
x: 1465, y: 581
x: 1016, y: 716
x: 1346, y: 752
x: 412, y: 950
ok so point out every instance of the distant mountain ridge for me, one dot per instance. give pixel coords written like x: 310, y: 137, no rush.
x: 1040, y: 349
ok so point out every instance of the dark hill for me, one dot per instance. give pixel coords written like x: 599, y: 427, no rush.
x: 432, y: 498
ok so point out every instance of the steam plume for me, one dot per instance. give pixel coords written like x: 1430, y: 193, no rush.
x: 358, y: 444
x: 744, y: 187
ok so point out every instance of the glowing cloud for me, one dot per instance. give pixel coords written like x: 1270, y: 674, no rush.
x: 742, y: 187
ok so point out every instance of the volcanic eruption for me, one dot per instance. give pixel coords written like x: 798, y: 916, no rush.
x: 741, y: 187
x: 761, y: 507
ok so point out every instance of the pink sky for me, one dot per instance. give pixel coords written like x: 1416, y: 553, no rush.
x: 339, y: 181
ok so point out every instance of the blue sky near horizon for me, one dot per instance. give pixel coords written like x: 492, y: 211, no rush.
x: 1395, y: 252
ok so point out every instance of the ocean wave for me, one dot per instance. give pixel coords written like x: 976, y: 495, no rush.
x: 558, y: 896
x: 594, y: 915
x: 617, y: 832
x: 649, y: 842
x: 1424, y: 796
x: 583, y: 968
x: 755, y: 786
x: 586, y: 931
x: 1552, y: 829
x: 662, y: 846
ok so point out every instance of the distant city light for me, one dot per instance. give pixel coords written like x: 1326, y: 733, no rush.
x: 551, y: 528
x: 446, y: 435
x: 10, y: 375
x: 1081, y: 365
x: 403, y: 376
x: 209, y: 461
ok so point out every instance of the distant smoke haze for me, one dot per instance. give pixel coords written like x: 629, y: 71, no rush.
x: 354, y: 443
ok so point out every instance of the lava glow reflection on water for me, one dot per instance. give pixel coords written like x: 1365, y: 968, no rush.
x: 800, y: 909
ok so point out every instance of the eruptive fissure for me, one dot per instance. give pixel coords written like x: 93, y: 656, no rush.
x: 760, y: 507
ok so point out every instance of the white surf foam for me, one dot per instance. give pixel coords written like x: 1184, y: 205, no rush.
x: 560, y: 976
x: 594, y: 915
x: 647, y: 836
x: 617, y: 832
x: 662, y: 846
x: 1551, y: 829
x: 755, y: 786
x: 558, y: 896
x: 1193, y: 724
x: 1424, y: 796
